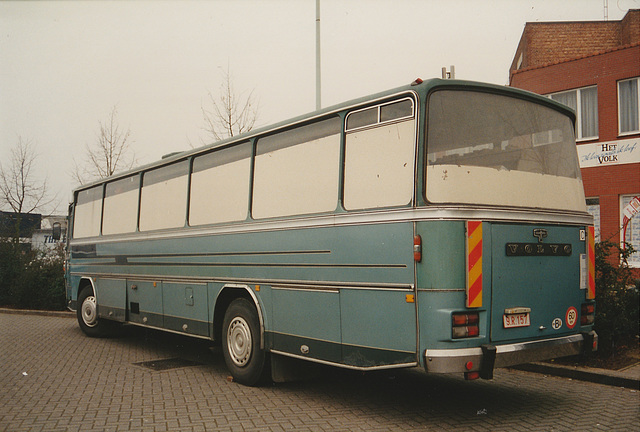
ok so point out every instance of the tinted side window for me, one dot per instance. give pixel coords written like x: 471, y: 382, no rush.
x: 121, y: 206
x: 220, y: 186
x: 87, y: 213
x: 297, y: 171
x: 163, y: 202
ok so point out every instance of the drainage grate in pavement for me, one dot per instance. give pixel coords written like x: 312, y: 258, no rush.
x: 166, y: 364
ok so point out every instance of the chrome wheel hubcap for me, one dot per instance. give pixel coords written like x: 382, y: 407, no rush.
x: 89, y: 311
x: 239, y: 341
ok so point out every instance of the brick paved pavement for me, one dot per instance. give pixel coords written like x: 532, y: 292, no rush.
x: 53, y: 378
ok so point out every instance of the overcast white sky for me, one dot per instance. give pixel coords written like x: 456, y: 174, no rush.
x: 64, y: 65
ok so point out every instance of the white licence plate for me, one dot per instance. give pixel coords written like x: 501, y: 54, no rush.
x: 516, y: 320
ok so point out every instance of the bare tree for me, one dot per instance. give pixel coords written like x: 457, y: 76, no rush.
x: 110, y: 153
x: 21, y: 190
x: 231, y: 113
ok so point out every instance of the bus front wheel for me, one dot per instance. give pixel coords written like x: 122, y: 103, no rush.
x: 241, y: 343
x: 87, y: 314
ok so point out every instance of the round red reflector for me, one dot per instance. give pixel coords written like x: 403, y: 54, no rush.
x: 469, y: 365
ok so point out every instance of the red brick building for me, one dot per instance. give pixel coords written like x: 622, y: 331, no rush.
x: 593, y: 67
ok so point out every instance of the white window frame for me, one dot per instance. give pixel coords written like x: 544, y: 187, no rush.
x: 633, y: 132
x: 633, y: 231
x: 578, y: 110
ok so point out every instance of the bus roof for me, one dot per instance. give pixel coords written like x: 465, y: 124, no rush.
x: 418, y: 86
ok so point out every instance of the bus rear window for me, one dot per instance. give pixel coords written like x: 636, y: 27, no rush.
x: 491, y: 149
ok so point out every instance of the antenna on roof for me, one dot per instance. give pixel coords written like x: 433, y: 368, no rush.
x: 451, y: 74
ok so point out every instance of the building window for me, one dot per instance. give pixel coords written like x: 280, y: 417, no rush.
x: 632, y: 233
x: 593, y: 207
x: 519, y: 63
x: 584, y: 102
x: 628, y: 101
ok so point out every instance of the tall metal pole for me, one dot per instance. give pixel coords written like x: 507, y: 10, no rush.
x: 318, y: 89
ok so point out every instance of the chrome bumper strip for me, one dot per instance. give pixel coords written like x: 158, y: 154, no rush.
x: 457, y: 360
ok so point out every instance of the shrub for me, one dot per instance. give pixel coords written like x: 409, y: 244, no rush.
x: 31, y: 279
x: 616, y: 298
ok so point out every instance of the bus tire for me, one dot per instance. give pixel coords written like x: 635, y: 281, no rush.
x: 241, y: 343
x: 87, y: 314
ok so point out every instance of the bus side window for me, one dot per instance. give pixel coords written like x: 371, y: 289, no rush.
x: 220, y: 186
x: 297, y: 171
x: 163, y: 202
x: 121, y: 206
x: 379, y: 159
x: 87, y: 214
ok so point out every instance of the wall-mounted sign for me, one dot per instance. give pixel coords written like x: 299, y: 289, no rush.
x: 609, y: 153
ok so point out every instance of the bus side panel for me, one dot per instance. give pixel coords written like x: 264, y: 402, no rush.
x: 307, y: 322
x: 305, y: 273
x: 145, y: 302
x: 111, y: 295
x: 443, y: 255
x: 73, y: 281
x: 365, y: 320
x: 378, y: 327
x: 189, y: 310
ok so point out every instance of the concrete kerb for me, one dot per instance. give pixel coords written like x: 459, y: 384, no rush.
x: 629, y: 378
x: 64, y: 314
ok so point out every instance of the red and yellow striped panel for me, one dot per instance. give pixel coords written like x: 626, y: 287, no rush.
x: 591, y: 257
x: 474, y: 263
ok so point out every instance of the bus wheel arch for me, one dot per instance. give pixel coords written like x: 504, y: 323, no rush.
x: 87, y: 312
x: 227, y: 295
x: 84, y: 283
x: 238, y: 324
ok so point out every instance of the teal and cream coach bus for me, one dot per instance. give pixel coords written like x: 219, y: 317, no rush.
x: 441, y: 224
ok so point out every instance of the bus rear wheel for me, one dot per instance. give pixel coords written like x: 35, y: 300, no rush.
x: 241, y: 344
x: 87, y: 314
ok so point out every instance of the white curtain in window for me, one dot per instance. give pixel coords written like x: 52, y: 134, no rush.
x: 589, y: 112
x: 628, y: 94
x: 567, y: 98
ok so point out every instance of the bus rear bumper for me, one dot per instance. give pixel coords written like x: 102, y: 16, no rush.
x: 484, y: 359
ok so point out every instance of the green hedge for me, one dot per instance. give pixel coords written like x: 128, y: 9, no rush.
x: 31, y: 279
x: 616, y: 299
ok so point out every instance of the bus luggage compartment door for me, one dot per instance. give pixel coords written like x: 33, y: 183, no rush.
x: 535, y: 281
x: 144, y: 302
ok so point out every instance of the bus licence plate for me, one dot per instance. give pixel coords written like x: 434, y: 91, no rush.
x: 516, y: 320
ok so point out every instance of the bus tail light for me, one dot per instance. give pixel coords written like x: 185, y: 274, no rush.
x: 465, y: 325
x: 417, y: 248
x: 588, y: 315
